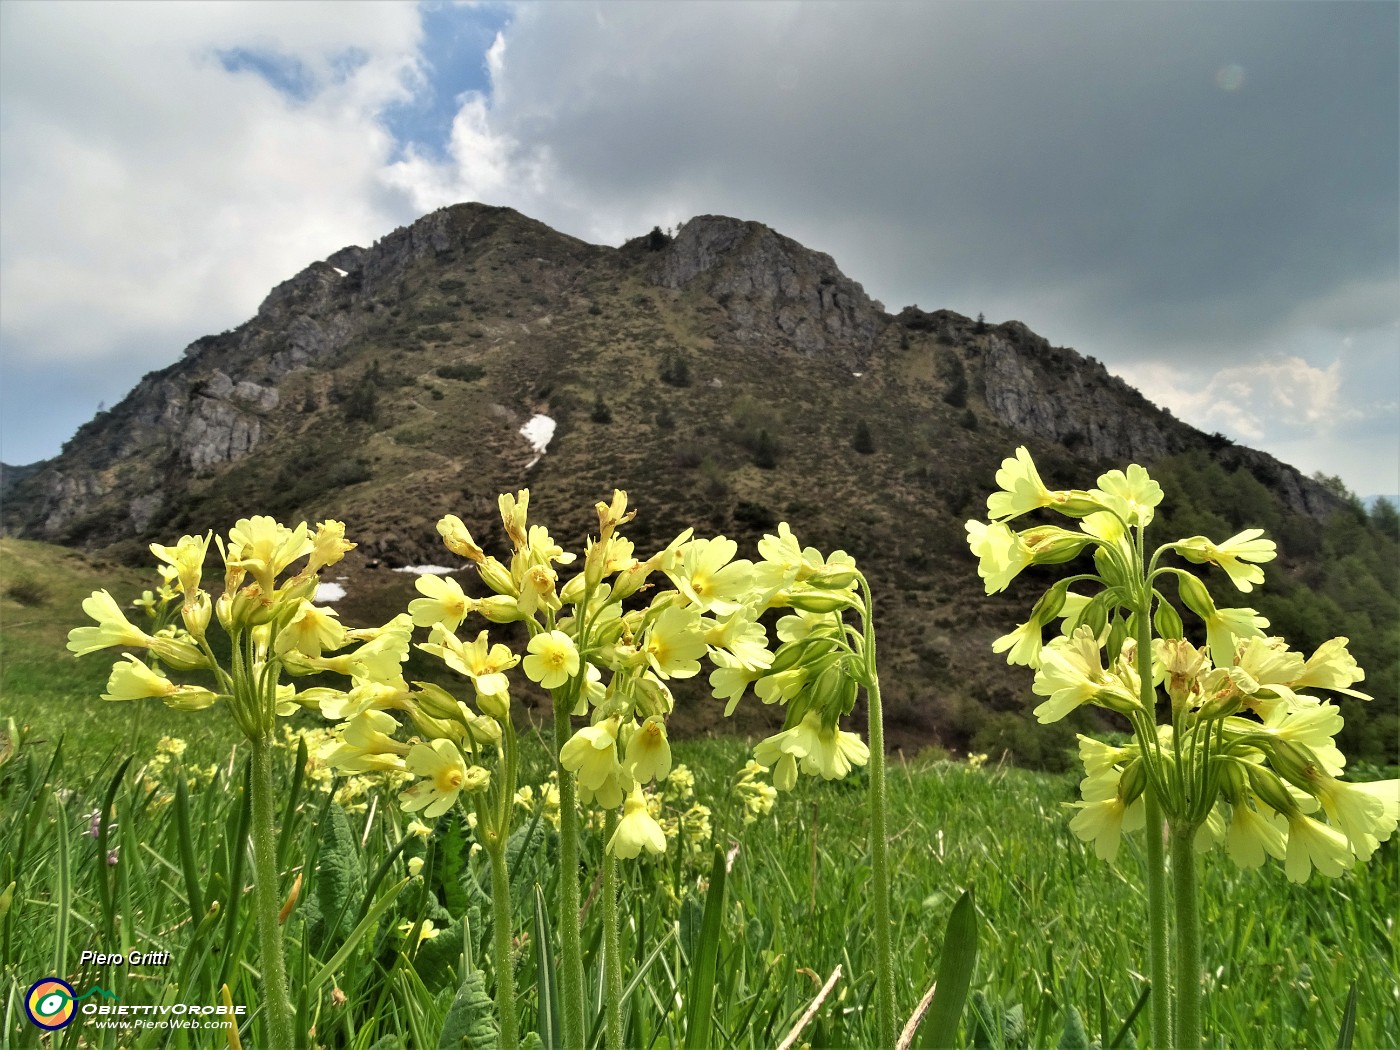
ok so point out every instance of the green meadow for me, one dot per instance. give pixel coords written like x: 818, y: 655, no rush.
x: 386, y: 952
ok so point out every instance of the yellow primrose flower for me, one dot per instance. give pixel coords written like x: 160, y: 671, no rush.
x: 264, y: 547
x: 591, y: 755
x: 816, y: 749
x: 113, y: 628
x: 133, y: 680
x: 1332, y: 668
x: 649, y: 752
x: 637, y: 830
x: 1071, y: 673
x: 1238, y: 555
x: 743, y: 637
x: 366, y: 744
x: 1024, y: 643
x: 1365, y: 813
x: 553, y: 659
x: 1021, y: 488
x: 328, y: 546
x: 415, y: 866
x: 1225, y: 628
x: 458, y: 540
x: 709, y: 576
x: 513, y: 513
x: 1001, y: 554
x: 445, y: 602
x: 1104, y: 822
x: 1312, y: 844
x: 1131, y: 496
x: 187, y: 559
x: 314, y: 628
x: 1254, y: 833
x: 674, y: 643
x: 730, y: 679
x: 417, y: 827
x: 447, y: 776
x: 378, y: 659
x: 426, y: 932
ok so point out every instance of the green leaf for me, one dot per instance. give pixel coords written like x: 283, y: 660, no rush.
x: 700, y: 997
x: 339, y: 881
x: 1075, y: 1037
x: 471, y: 1019
x: 955, y: 967
x: 380, y: 906
x: 438, y: 957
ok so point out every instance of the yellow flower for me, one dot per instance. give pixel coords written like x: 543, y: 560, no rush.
x: 591, y: 755
x: 637, y: 830
x: 743, y: 637
x: 1331, y: 667
x: 1071, y: 673
x: 312, y: 630
x: 1365, y: 813
x: 709, y: 577
x: 649, y: 752
x: 447, y: 776
x: 1312, y: 844
x: 366, y: 744
x: 1225, y: 628
x: 1237, y: 556
x: 135, y: 681
x: 417, y: 827
x: 113, y: 628
x: 674, y: 644
x: 1024, y: 643
x: 1021, y: 488
x: 815, y: 748
x: 730, y: 679
x: 1103, y: 822
x: 445, y: 602
x: 553, y: 659
x: 1252, y: 834
x: 264, y: 547
x: 1001, y: 554
x: 458, y: 540
x: 328, y: 546
x: 187, y: 558
x: 1131, y: 496
x: 513, y: 513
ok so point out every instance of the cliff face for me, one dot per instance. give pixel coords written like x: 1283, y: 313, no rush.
x: 520, y: 302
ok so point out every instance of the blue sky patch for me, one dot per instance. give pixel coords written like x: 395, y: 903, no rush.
x: 455, y: 41
x: 289, y: 74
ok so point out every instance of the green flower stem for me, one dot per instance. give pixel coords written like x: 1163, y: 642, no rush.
x: 1188, y: 937
x: 501, y: 933
x: 1157, y: 925
x: 612, y: 942
x: 879, y: 861
x: 570, y: 945
x: 276, y: 1001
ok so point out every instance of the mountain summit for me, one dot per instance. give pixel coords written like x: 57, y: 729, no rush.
x: 726, y: 376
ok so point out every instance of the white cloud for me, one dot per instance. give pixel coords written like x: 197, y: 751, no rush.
x: 152, y: 195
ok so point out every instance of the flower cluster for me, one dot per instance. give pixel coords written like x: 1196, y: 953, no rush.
x: 266, y: 612
x: 1227, y: 736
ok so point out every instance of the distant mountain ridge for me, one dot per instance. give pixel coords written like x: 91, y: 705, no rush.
x: 727, y: 377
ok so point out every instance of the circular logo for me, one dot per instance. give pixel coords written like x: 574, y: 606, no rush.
x: 50, y: 1004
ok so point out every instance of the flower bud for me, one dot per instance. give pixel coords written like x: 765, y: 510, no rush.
x: 458, y: 540
x: 833, y: 577
x: 572, y: 592
x: 497, y: 705
x: 1295, y: 763
x: 1167, y: 620
x: 195, y: 613
x: 1133, y: 782
x: 1193, y: 592
x: 181, y: 655
x: 1051, y: 545
x: 496, y: 576
x: 1270, y: 789
x: 500, y: 608
x: 820, y: 602
x: 477, y: 779
x: 190, y: 698
x: 437, y: 701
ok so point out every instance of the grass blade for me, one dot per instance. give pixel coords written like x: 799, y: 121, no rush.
x: 63, y: 892
x: 548, y: 1020
x: 356, y: 935
x: 1348, y: 1030
x: 185, y: 836
x: 700, y: 997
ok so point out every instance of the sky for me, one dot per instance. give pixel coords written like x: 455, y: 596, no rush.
x: 1203, y: 196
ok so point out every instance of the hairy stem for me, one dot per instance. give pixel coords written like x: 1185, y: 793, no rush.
x: 1157, y: 926
x: 612, y: 942
x: 501, y: 933
x: 879, y: 860
x: 570, y: 945
x: 1188, y: 937
x: 276, y: 1001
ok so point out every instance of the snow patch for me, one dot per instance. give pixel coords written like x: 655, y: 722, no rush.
x: 857, y: 374
x: 423, y: 570
x: 328, y: 592
x: 338, y: 270
x: 538, y: 430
